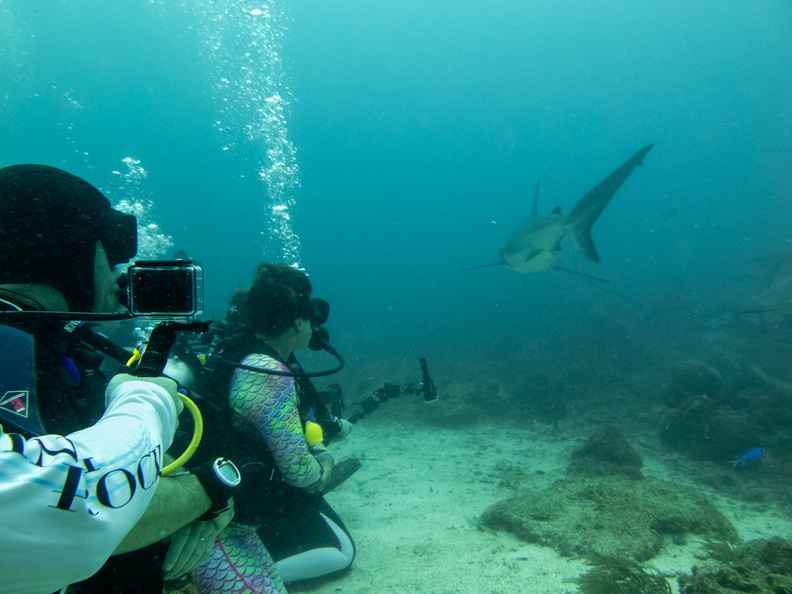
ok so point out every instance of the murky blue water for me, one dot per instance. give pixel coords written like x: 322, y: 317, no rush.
x: 401, y: 141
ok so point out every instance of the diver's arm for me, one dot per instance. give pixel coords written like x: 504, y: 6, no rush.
x: 269, y: 403
x: 66, y: 502
x: 178, y: 501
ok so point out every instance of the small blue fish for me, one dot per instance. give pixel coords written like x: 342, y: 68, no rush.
x: 747, y: 456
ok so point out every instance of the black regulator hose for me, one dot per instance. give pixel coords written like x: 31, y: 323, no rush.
x: 318, y: 343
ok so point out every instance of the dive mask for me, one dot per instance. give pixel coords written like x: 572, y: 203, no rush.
x: 320, y: 311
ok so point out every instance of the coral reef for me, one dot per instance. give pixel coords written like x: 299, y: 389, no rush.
x: 606, y: 506
x: 712, y: 419
x: 708, y: 430
x: 607, y: 452
x: 611, y: 515
x: 691, y: 378
x: 758, y: 566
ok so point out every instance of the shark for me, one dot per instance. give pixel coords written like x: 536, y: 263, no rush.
x: 535, y: 245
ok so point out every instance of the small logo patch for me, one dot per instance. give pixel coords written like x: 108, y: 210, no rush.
x: 16, y: 402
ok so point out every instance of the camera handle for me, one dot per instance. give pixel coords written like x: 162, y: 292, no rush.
x: 152, y: 363
x: 427, y: 385
x: 154, y: 359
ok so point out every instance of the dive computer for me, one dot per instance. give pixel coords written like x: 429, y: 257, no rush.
x: 219, y: 478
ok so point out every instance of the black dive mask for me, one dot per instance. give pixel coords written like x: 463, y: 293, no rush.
x: 320, y: 311
x: 119, y: 235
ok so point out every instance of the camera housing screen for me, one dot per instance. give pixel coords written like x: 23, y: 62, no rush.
x: 165, y: 288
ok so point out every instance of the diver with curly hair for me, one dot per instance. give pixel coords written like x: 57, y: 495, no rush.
x: 284, y: 530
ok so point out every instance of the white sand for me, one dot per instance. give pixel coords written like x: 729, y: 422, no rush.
x: 412, y: 507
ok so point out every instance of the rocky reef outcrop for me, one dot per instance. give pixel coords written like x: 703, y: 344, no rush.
x: 606, y: 505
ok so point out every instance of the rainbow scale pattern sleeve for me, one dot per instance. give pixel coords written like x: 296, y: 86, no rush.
x: 240, y: 564
x: 267, y: 404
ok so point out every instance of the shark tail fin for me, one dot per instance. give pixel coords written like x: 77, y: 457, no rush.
x: 582, y: 237
x: 588, y: 209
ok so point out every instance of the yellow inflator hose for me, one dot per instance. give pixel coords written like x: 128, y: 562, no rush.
x: 196, y: 438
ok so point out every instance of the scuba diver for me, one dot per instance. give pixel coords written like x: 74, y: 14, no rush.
x: 79, y: 460
x: 283, y: 530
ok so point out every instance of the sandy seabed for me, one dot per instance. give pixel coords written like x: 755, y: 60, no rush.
x: 413, y: 507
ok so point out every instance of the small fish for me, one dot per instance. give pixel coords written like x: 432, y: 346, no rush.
x: 747, y: 456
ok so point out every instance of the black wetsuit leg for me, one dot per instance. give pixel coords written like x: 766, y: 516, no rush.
x: 302, y: 529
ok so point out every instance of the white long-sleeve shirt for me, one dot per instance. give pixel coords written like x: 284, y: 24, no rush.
x: 67, y: 502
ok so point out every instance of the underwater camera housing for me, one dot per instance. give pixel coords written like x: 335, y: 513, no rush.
x: 164, y: 288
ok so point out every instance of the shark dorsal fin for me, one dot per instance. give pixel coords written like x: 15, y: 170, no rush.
x: 535, y: 211
x: 556, y: 211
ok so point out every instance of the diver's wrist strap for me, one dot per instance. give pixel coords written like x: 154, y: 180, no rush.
x: 215, y: 489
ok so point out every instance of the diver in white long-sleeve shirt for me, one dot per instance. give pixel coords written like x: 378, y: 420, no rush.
x: 66, y: 502
x: 76, y: 478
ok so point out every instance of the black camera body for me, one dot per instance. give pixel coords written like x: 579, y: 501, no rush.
x: 164, y: 288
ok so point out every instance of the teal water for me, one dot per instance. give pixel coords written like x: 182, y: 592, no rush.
x: 401, y: 141
x: 382, y: 146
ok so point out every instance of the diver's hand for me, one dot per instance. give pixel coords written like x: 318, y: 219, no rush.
x: 326, y: 462
x: 346, y: 429
x: 192, y: 544
x: 169, y: 385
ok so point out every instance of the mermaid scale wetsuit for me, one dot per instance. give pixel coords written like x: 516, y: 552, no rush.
x: 265, y: 408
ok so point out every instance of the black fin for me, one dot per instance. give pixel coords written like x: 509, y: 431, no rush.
x: 341, y: 472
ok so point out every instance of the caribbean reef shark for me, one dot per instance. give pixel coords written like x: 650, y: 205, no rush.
x: 536, y: 244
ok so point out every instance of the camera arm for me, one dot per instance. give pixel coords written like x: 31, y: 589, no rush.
x: 390, y: 391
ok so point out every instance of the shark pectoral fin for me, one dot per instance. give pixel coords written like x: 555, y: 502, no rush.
x: 583, y: 274
x: 499, y: 263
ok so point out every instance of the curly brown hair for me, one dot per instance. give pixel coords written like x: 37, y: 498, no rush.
x: 278, y: 296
